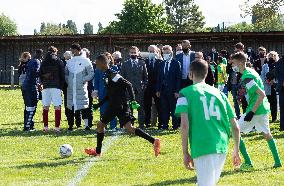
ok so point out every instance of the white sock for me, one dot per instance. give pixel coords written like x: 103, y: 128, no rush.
x: 86, y: 121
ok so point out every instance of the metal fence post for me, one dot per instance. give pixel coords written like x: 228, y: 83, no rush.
x: 12, y: 76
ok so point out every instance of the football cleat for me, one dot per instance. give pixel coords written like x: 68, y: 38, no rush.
x: 157, y: 147
x: 92, y: 152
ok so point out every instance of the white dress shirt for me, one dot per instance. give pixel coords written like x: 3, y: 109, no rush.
x: 186, y: 64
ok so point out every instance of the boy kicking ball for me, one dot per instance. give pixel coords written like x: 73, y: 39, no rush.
x: 257, y: 112
x: 118, y: 90
x: 206, y: 119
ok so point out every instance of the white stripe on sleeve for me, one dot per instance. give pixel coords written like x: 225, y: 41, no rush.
x: 182, y: 101
x: 116, y: 78
x: 250, y: 84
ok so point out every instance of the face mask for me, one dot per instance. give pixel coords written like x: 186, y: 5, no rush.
x: 185, y: 50
x: 236, y: 69
x: 133, y: 57
x: 167, y: 57
x: 152, y: 56
x: 178, y: 52
x: 270, y: 60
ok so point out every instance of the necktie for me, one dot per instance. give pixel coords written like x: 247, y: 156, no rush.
x: 167, y: 68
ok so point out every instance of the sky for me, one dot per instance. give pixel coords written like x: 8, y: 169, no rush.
x: 29, y: 14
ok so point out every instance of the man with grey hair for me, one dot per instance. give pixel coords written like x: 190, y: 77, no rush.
x: 152, y: 65
x: 168, y: 86
x: 185, y: 59
x: 117, y: 57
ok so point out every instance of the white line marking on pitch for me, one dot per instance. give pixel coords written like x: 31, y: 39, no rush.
x: 82, y: 173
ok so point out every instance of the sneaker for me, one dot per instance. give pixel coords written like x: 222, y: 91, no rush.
x: 57, y: 129
x: 246, y: 167
x: 45, y: 129
x: 277, y: 165
x: 70, y: 128
x: 32, y: 129
x: 92, y: 152
x: 157, y: 146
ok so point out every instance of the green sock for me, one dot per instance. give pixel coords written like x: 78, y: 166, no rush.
x: 273, y: 149
x: 244, y: 152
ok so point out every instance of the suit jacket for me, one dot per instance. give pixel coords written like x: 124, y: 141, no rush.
x: 179, y: 58
x: 136, y: 75
x: 171, y: 82
x: 152, y: 74
x: 215, y: 57
x: 279, y: 72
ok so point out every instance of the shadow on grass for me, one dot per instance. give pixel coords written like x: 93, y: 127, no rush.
x: 51, y: 164
x: 173, y: 182
x: 193, y: 180
x: 76, y: 132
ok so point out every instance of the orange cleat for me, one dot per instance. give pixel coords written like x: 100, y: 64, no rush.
x: 92, y: 152
x: 157, y: 146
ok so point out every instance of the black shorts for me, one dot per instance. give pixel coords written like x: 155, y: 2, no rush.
x: 122, y: 111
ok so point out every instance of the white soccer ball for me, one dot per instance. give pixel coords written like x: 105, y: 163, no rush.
x: 65, y: 150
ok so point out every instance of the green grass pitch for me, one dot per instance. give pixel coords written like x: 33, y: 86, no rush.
x: 32, y: 158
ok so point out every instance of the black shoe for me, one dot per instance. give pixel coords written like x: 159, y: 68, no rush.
x: 91, y: 125
x: 78, y: 126
x: 70, y: 128
x: 26, y: 129
x: 87, y: 128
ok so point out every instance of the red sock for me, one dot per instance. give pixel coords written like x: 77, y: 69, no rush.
x: 45, y: 117
x: 57, y: 118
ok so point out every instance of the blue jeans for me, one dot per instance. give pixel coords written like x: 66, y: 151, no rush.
x: 235, y: 99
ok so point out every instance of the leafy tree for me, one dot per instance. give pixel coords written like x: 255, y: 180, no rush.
x: 140, y: 16
x: 184, y: 15
x: 266, y: 14
x: 88, y: 28
x: 100, y: 28
x: 241, y: 27
x: 7, y: 26
x: 72, y: 26
x: 53, y: 29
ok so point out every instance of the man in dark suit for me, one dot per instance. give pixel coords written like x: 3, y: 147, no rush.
x: 134, y: 70
x: 279, y: 72
x: 168, y: 86
x: 185, y: 60
x: 214, y: 54
x: 152, y: 64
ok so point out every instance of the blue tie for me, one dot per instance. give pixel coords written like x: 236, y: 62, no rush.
x: 167, y: 68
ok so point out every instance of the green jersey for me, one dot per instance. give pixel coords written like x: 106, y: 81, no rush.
x: 209, y: 113
x: 251, y: 81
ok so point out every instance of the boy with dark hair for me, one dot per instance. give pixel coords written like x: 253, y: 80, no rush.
x: 52, y: 80
x: 257, y: 112
x: 206, y: 119
x: 118, y: 90
x: 30, y: 90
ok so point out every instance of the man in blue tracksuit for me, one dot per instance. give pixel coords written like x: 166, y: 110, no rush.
x: 100, y: 91
x: 30, y: 90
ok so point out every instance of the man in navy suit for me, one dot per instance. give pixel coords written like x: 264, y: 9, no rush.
x: 185, y: 59
x: 152, y: 65
x: 279, y: 72
x: 168, y: 86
